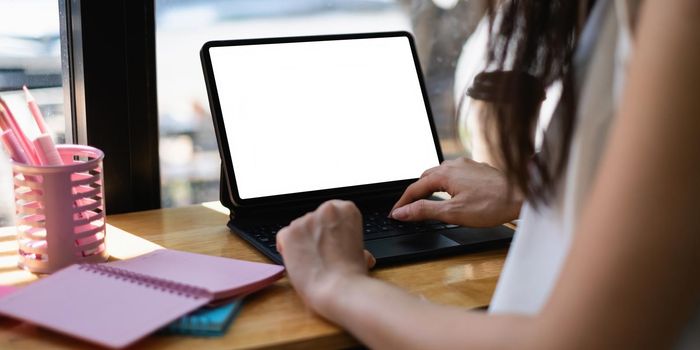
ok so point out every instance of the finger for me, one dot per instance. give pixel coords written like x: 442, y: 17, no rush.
x: 301, y: 221
x: 419, y: 210
x: 458, y: 162
x: 279, y: 238
x: 297, y: 225
x: 429, y: 171
x: 369, y: 258
x: 339, y: 207
x: 421, y: 189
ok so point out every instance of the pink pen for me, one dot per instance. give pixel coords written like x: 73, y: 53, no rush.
x: 13, y: 147
x: 24, y: 142
x: 48, y: 155
x: 36, y: 113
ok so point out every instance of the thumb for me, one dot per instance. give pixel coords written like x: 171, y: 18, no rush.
x: 419, y: 210
x: 369, y: 258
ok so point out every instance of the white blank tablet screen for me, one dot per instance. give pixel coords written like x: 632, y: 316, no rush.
x: 319, y: 115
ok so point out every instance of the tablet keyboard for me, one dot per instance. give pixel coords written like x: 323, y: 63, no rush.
x: 375, y: 225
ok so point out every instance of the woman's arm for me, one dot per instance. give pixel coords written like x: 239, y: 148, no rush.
x: 323, y: 255
x: 632, y: 276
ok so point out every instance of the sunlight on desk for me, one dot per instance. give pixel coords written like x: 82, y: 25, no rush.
x: 472, y: 272
x: 124, y: 245
x: 10, y: 274
x: 120, y: 245
x: 7, y: 239
x: 216, y: 206
x: 9, y: 246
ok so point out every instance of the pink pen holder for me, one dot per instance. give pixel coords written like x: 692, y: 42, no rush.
x: 60, y: 214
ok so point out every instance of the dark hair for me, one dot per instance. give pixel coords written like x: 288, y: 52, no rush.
x: 532, y: 38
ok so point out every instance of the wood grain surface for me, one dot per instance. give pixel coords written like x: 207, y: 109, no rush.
x: 272, y: 318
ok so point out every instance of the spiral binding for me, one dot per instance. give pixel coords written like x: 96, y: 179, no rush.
x: 181, y: 289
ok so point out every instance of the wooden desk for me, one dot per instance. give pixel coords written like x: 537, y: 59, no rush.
x: 274, y: 317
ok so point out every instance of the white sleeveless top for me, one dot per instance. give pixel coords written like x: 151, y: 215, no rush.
x: 543, y: 238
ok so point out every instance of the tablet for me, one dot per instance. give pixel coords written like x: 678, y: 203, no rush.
x: 319, y: 117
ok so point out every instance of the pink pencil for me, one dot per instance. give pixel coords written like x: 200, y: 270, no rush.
x: 36, y: 112
x: 3, y: 124
x: 46, y: 150
x: 11, y: 122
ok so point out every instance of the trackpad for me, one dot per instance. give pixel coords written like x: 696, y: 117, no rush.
x: 409, y: 244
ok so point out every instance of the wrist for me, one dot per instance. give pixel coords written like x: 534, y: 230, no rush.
x: 335, y: 293
x: 515, y: 206
x: 512, y: 203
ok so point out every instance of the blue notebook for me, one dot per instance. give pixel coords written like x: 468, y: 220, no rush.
x: 206, y: 321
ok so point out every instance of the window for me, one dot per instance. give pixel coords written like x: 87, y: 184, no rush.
x: 30, y: 54
x: 189, y: 159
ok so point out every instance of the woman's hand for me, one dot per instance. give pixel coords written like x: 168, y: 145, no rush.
x: 479, y: 193
x: 323, y: 249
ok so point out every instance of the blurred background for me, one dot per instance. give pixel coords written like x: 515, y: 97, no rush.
x: 30, y: 53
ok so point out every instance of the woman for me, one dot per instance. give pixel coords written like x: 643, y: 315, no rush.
x: 607, y: 252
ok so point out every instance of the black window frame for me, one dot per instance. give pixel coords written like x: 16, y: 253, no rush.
x: 109, y: 69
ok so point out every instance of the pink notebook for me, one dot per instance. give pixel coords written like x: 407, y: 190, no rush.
x: 118, y: 303
x: 4, y: 290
